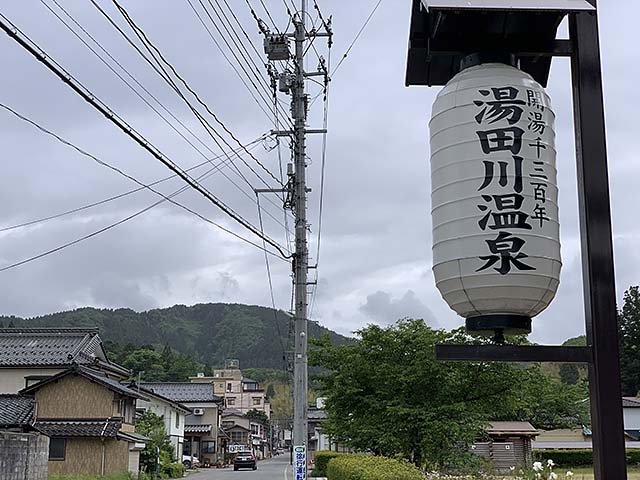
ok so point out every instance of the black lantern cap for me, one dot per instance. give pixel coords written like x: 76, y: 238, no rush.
x: 443, y: 32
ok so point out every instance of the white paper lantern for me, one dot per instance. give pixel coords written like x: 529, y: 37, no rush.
x: 496, y: 247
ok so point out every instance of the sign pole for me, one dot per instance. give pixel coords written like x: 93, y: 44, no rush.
x: 597, y: 250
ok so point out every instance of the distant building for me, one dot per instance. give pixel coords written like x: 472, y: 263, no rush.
x: 239, y: 392
x: 29, y: 355
x: 202, y: 435
x: 580, y: 438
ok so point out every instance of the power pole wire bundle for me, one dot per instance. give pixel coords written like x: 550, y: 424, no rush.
x: 24, y: 41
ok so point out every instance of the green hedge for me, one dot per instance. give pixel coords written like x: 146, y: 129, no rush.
x: 172, y: 470
x: 369, y: 467
x: 321, y: 460
x: 578, y: 457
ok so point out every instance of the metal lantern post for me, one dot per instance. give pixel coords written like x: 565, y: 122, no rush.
x: 445, y: 32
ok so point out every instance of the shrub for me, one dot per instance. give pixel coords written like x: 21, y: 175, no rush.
x: 368, y: 467
x: 578, y: 457
x: 172, y: 470
x: 321, y: 460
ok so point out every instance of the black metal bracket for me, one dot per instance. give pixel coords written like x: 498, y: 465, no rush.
x: 513, y: 353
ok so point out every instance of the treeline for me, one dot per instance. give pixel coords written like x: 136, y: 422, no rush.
x: 155, y: 365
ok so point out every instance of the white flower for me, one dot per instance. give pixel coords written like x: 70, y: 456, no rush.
x: 569, y: 474
x: 550, y: 463
x: 537, y: 466
x: 553, y: 476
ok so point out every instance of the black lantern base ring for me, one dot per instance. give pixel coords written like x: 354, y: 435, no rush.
x: 499, y: 325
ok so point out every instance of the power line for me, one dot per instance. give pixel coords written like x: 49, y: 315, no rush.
x: 116, y: 169
x: 322, y: 178
x: 160, y: 70
x: 215, y: 41
x: 118, y: 196
x: 153, y: 48
x: 131, y: 87
x: 112, y: 58
x: 366, y: 22
x: 273, y: 301
x: 13, y: 32
x: 130, y: 217
x: 257, y: 77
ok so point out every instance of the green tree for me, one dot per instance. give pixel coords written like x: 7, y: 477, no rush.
x: 145, y: 360
x: 386, y: 393
x: 569, y: 373
x: 271, y: 391
x: 257, y: 416
x: 152, y: 426
x: 629, y: 326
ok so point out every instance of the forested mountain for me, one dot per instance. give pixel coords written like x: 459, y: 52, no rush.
x: 209, y: 332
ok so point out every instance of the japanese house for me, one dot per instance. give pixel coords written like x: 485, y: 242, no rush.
x: 89, y: 419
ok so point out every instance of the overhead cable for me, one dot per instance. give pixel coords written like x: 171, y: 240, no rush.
x: 130, y: 217
x: 142, y: 36
x: 366, y: 22
x: 161, y: 105
x: 10, y: 29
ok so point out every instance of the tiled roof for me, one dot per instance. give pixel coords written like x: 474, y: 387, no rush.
x: 316, y: 414
x: 40, y: 347
x: 133, y: 437
x: 148, y: 392
x: 513, y: 428
x: 92, y: 375
x: 232, y: 412
x: 107, y: 427
x: 197, y: 428
x: 16, y: 410
x: 184, y: 391
x: 631, y: 402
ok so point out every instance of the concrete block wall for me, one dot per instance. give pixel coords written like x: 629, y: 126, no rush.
x: 23, y: 456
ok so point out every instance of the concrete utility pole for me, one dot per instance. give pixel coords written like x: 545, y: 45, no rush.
x: 276, y: 47
x: 301, y: 257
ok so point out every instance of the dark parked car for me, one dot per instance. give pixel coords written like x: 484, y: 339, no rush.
x: 245, y: 460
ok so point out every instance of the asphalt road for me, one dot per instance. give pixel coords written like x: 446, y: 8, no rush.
x: 276, y: 468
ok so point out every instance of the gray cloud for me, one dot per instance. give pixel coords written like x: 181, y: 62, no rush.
x: 376, y: 232
x: 383, y: 308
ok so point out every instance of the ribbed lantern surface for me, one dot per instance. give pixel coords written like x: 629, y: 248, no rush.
x: 496, y: 248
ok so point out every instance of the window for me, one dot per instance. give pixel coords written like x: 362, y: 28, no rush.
x: 229, y: 387
x: 231, y: 401
x: 256, y: 400
x: 208, y: 447
x: 57, y: 447
x: 238, y: 437
x: 177, y: 419
x: 33, y: 379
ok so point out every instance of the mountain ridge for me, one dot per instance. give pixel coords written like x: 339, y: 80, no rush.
x: 211, y: 332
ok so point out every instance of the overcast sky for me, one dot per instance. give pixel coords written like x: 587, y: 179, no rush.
x: 375, y: 260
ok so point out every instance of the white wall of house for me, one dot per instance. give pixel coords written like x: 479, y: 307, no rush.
x: 13, y: 380
x: 631, y: 418
x: 174, y: 420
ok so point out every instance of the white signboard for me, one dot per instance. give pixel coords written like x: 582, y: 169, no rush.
x: 238, y: 448
x: 300, y: 462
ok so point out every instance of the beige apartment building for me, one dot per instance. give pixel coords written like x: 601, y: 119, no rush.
x: 239, y: 393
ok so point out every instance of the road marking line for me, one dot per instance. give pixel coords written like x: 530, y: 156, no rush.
x: 285, y: 472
